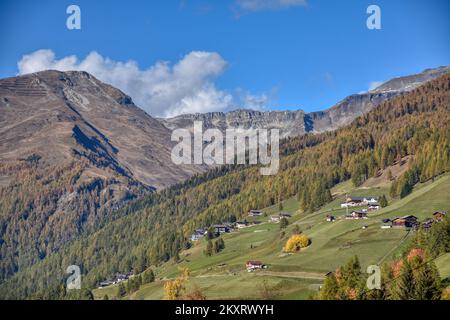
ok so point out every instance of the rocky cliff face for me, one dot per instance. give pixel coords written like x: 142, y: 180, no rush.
x: 290, y: 123
x: 293, y: 123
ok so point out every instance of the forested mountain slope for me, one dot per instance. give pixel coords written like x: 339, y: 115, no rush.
x: 72, y: 151
x: 415, y: 124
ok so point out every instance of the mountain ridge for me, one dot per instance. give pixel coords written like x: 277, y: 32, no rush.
x: 296, y: 122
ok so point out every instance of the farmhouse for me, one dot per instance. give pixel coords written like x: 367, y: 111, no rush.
x: 117, y: 278
x: 405, y: 222
x: 386, y: 224
x: 357, y: 215
x: 197, y: 235
x: 330, y: 218
x: 278, y: 217
x: 284, y: 215
x: 105, y: 283
x: 358, y: 201
x: 241, y: 224
x: 439, y: 215
x: 374, y: 206
x: 427, y: 224
x: 275, y: 218
x: 255, y: 213
x: 221, y: 228
x: 253, y: 265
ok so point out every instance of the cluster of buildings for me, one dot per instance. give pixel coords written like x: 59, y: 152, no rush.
x: 412, y: 222
x: 227, y: 227
x: 350, y: 202
x: 371, y: 202
x: 117, y: 278
x: 357, y: 215
x: 278, y: 217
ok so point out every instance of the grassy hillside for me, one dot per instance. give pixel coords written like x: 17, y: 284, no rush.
x: 223, y: 276
x: 157, y: 231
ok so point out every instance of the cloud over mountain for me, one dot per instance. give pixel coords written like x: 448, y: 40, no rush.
x: 164, y: 89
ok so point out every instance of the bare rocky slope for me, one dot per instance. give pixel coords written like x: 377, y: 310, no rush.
x: 73, y: 151
x: 72, y: 115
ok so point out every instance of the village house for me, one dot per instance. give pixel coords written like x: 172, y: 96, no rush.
x: 357, y: 215
x: 374, y: 206
x: 358, y: 201
x: 330, y: 218
x: 123, y: 276
x: 386, y: 224
x: 427, y: 224
x: 255, y: 213
x: 405, y: 222
x: 284, y: 215
x: 275, y: 218
x: 221, y: 228
x: 241, y: 224
x: 278, y: 217
x: 254, y: 265
x: 439, y: 215
x: 117, y: 278
x: 230, y: 225
x: 106, y: 283
x: 198, y: 235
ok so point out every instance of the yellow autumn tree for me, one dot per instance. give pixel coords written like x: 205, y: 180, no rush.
x: 174, y: 289
x: 296, y: 242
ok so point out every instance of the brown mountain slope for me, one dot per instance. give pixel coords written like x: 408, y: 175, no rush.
x: 62, y: 116
x: 72, y: 151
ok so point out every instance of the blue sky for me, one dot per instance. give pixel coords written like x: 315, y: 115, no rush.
x: 304, y: 55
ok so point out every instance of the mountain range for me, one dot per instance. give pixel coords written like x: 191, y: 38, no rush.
x: 297, y: 122
x: 75, y: 151
x: 406, y: 136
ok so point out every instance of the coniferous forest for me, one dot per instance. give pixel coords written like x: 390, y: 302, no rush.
x: 153, y: 227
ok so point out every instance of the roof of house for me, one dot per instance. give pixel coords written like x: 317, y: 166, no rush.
x: 410, y: 217
x: 361, y: 198
x: 220, y: 226
x: 439, y: 212
x: 284, y: 214
x: 254, y: 262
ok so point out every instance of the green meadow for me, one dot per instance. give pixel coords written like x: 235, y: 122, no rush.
x: 297, y: 276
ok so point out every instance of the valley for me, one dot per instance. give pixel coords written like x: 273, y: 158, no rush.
x: 399, y: 149
x: 297, y: 276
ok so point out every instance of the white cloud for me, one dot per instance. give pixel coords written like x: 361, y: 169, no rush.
x: 259, y: 5
x: 374, y: 84
x: 162, y: 90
